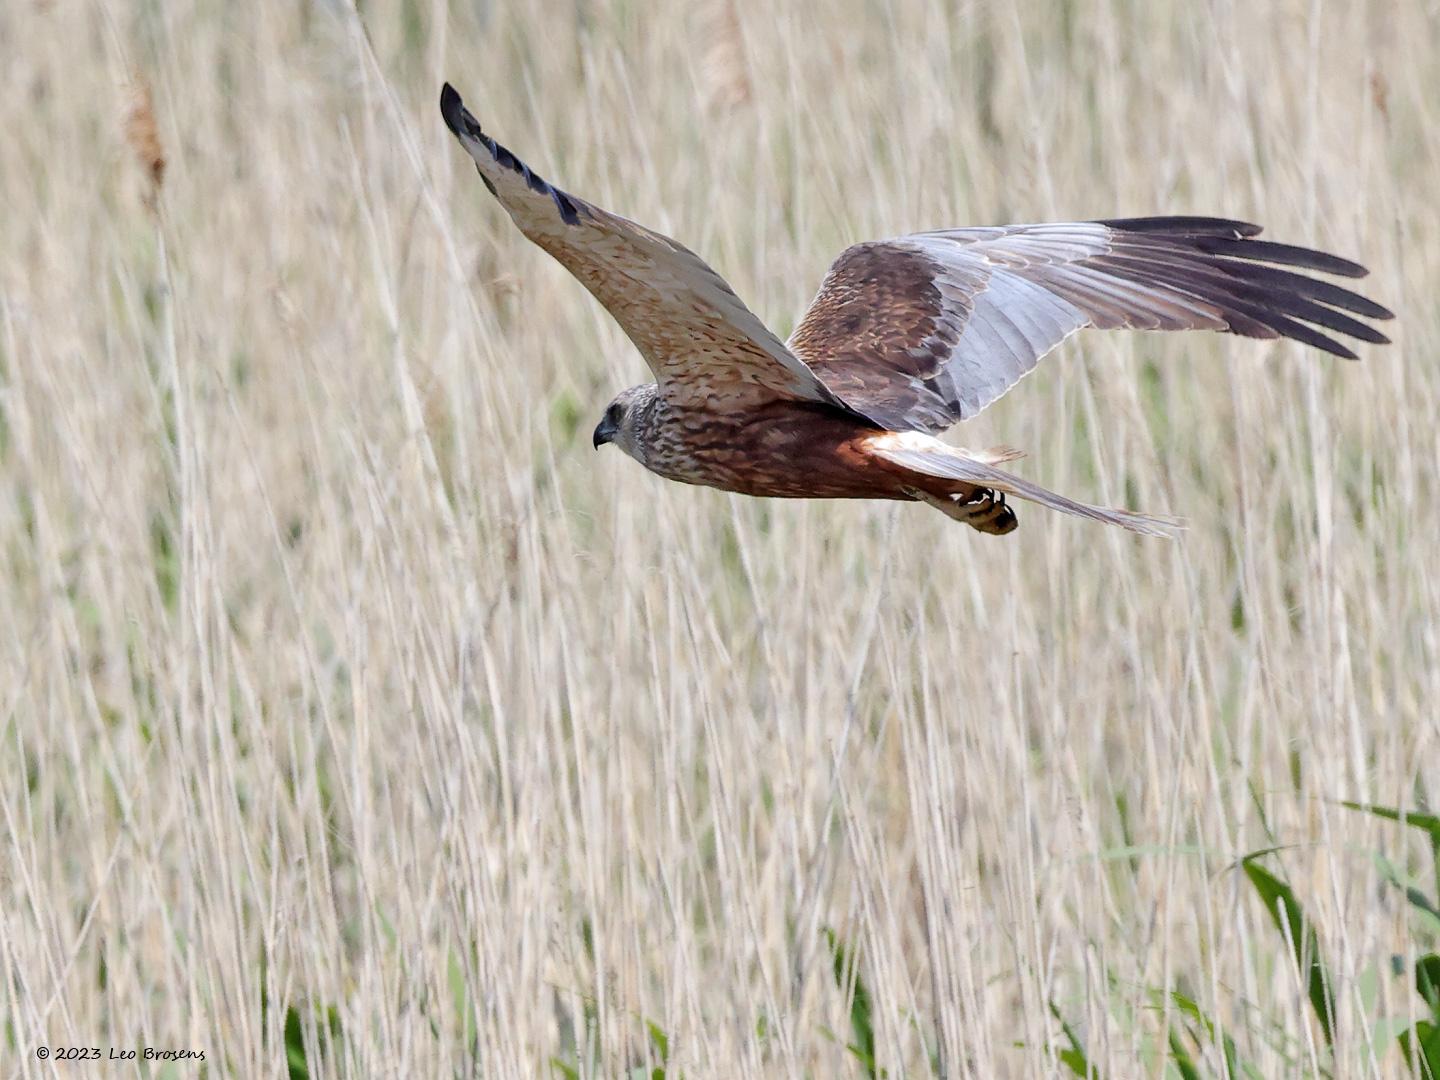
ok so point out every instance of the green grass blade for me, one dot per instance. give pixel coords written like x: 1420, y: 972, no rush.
x: 298, y: 1066
x: 1421, y: 1047
x: 662, y: 1044
x: 1181, y: 1057
x: 1299, y: 933
x: 1428, y: 823
x: 862, y: 1026
x: 1215, y: 1033
x: 1077, y: 1063
x: 1429, y: 910
x: 1427, y: 982
x: 1074, y: 1055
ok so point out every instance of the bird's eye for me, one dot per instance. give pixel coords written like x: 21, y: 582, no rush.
x: 613, y: 414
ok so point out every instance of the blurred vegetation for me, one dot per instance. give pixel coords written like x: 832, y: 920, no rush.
x: 363, y: 721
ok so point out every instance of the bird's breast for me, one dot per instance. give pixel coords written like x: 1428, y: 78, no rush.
x: 782, y: 450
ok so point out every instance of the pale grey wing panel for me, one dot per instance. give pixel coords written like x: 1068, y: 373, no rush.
x: 696, y: 334
x: 919, y: 332
x: 1012, y: 324
x: 925, y: 330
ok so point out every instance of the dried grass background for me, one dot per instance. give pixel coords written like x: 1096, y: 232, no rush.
x: 339, y: 679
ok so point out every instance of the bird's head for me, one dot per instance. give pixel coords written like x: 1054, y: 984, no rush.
x: 622, y: 418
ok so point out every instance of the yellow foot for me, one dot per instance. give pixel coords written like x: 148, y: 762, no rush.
x: 985, y: 511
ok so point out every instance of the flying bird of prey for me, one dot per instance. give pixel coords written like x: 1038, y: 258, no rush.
x: 905, y: 338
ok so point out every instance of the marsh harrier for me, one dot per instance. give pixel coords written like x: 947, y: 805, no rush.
x: 905, y: 338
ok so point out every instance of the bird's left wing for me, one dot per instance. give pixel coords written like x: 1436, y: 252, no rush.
x: 922, y: 331
x: 699, y: 338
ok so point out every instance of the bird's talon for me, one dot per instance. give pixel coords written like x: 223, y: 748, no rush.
x: 981, y: 503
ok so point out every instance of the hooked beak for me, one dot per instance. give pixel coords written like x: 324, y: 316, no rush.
x: 605, y: 431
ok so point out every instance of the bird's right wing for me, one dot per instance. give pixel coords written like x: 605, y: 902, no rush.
x: 701, y: 341
x: 920, y: 332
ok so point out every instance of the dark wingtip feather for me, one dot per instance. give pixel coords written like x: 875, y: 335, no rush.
x: 1316, y: 289
x: 452, y: 109
x: 1185, y: 226
x: 1290, y: 328
x: 459, y: 119
x: 566, y: 206
x: 460, y: 122
x: 1286, y: 254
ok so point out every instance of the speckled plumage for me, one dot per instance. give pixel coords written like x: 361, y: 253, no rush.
x: 905, y: 338
x: 777, y: 449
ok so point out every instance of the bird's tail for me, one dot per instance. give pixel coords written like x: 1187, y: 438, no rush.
x: 931, y: 457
